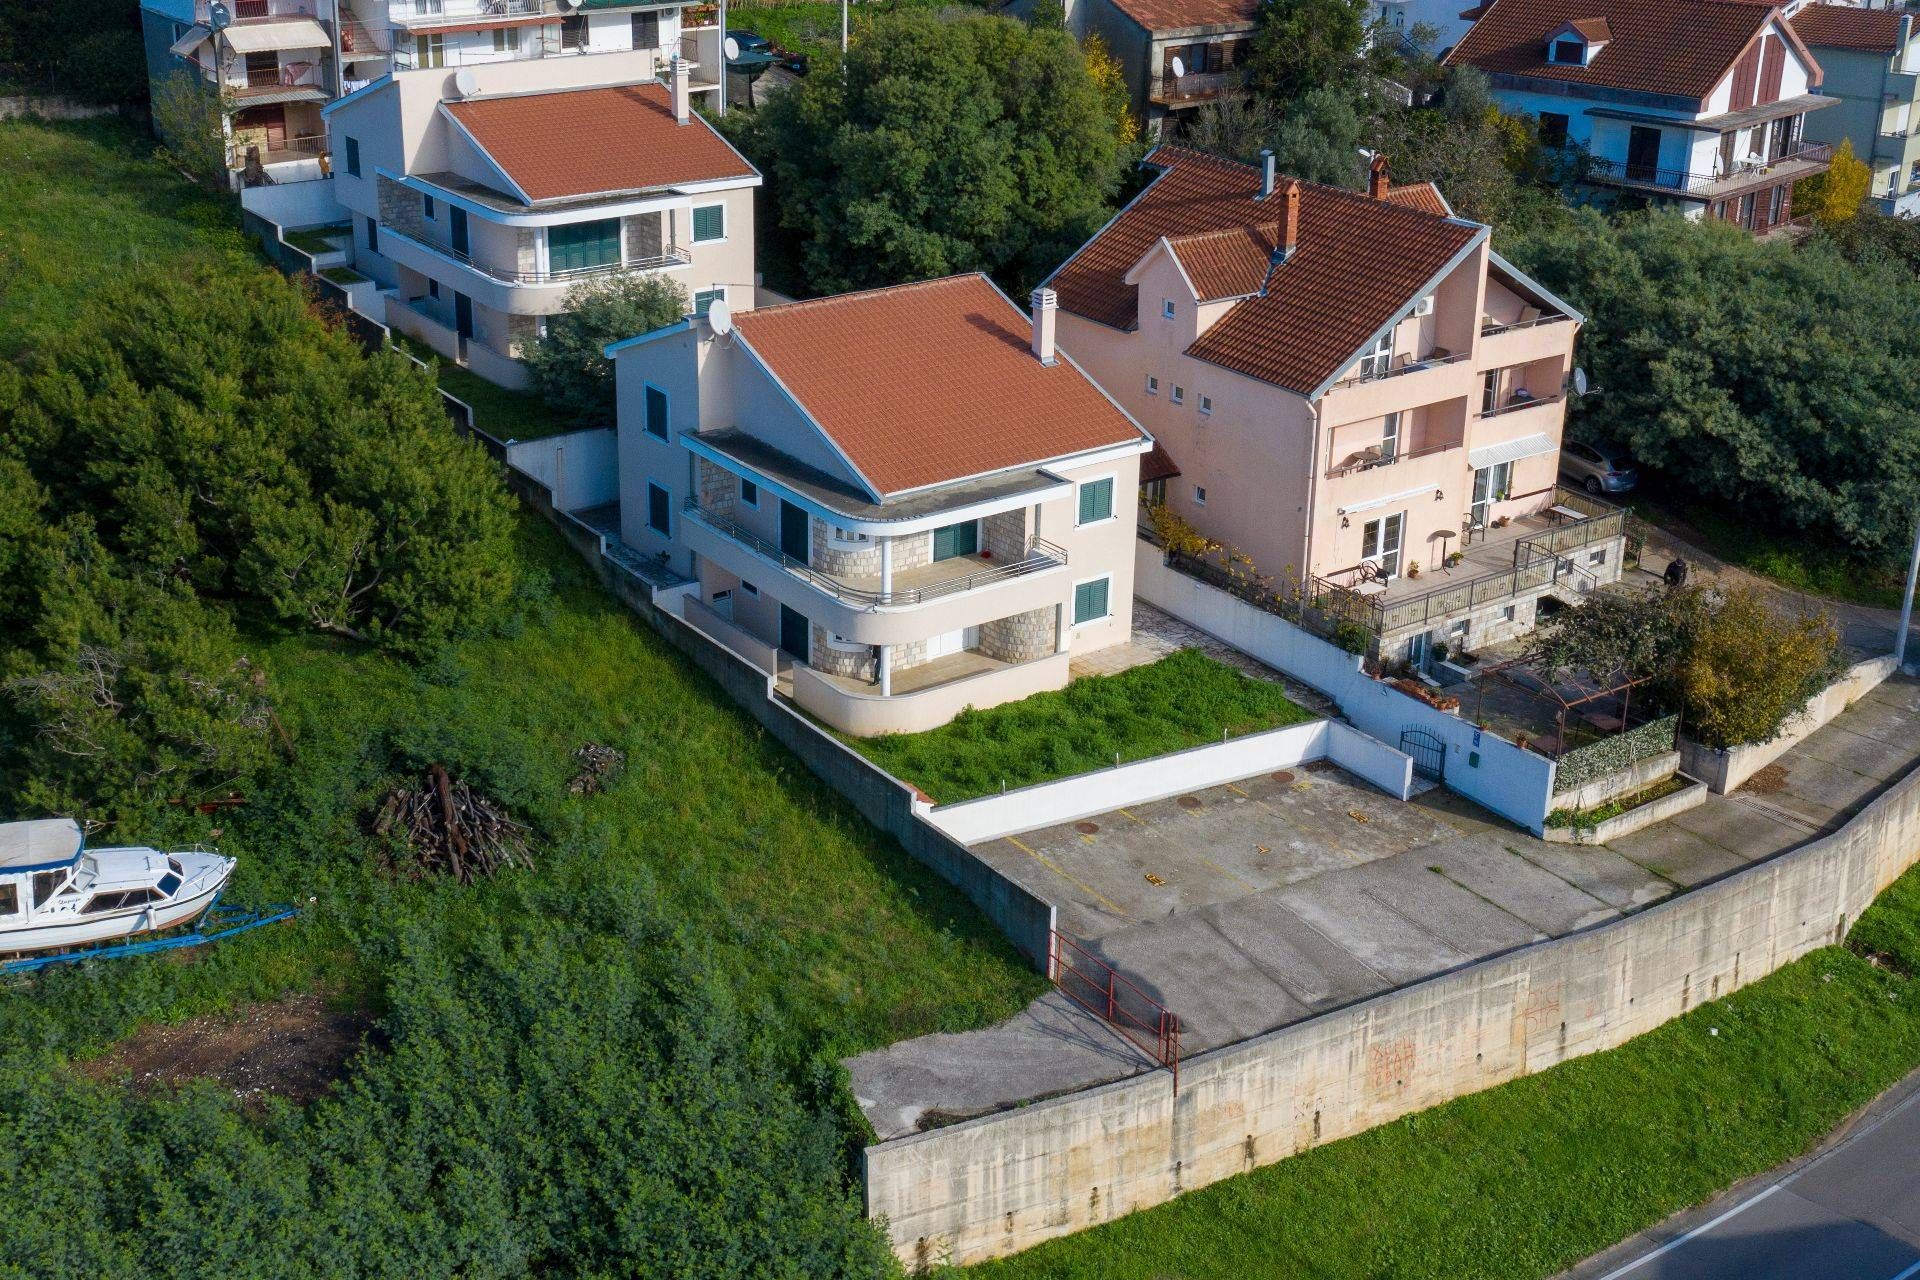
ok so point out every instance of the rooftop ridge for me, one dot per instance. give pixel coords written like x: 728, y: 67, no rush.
x: 858, y: 294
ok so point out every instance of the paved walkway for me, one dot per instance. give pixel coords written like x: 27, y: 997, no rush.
x: 1248, y: 907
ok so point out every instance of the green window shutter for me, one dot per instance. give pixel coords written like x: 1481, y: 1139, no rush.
x: 1096, y: 500
x: 704, y: 300
x: 580, y: 246
x: 710, y: 222
x: 961, y: 539
x: 1090, y: 601
x: 656, y: 412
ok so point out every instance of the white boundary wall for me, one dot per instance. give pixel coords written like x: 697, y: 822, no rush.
x: 578, y: 468
x: 1046, y: 804
x: 1484, y: 767
x: 1723, y: 771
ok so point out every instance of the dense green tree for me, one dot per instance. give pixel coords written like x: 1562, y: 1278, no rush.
x: 950, y: 144
x: 89, y: 49
x: 1316, y: 138
x: 1299, y: 46
x: 1760, y: 375
x: 569, y: 365
x: 191, y: 121
x: 228, y: 439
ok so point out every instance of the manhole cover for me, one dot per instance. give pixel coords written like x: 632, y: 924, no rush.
x: 1189, y: 802
x: 1086, y: 828
x: 1283, y: 777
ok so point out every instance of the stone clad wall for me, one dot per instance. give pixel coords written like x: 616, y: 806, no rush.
x: 1020, y: 637
x: 857, y: 664
x: 1004, y: 1182
x: 844, y: 562
x: 718, y: 488
x: 1005, y: 536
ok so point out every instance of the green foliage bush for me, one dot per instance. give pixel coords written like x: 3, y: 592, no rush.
x: 952, y: 143
x: 89, y: 49
x: 569, y: 364
x: 1610, y: 755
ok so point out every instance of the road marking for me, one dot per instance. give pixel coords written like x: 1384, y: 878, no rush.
x: 1702, y: 1229
x: 1123, y: 813
x: 1237, y: 791
x: 1050, y: 865
x: 1248, y: 885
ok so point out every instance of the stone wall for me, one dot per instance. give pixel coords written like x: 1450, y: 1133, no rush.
x: 843, y: 562
x: 1006, y: 536
x: 399, y: 208
x: 1004, y: 1182
x: 1020, y: 637
x: 856, y: 664
x: 911, y: 654
x: 912, y: 551
x: 642, y: 235
x: 718, y: 488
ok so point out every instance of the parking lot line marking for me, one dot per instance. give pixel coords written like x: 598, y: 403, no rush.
x: 1237, y: 791
x: 1050, y: 865
x: 1248, y: 885
x: 1130, y: 817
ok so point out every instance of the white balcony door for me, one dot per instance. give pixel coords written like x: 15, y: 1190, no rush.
x: 953, y: 642
x: 1380, y: 543
x: 1490, y: 485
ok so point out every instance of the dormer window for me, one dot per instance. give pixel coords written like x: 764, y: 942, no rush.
x: 1570, y: 52
x: 1577, y: 44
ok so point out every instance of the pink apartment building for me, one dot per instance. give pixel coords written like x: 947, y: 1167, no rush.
x: 1353, y: 389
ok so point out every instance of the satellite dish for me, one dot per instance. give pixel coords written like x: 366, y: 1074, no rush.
x: 1579, y: 381
x: 221, y: 16
x: 732, y: 48
x: 720, y: 317
x: 466, y: 82
x: 1178, y: 67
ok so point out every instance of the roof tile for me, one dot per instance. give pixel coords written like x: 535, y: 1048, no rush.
x: 1656, y: 46
x: 1180, y: 15
x: 1839, y: 26
x: 924, y: 384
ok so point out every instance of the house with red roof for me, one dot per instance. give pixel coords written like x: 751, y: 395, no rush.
x: 479, y: 200
x: 901, y: 502
x: 1872, y: 62
x: 1175, y: 55
x: 1352, y: 389
x: 1701, y: 106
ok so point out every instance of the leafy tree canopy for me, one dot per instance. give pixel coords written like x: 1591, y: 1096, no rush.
x: 1763, y: 375
x: 1835, y: 197
x: 951, y: 144
x: 1302, y: 45
x: 569, y: 365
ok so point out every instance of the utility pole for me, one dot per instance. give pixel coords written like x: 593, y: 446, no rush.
x: 843, y: 31
x: 1906, y: 605
x: 723, y: 57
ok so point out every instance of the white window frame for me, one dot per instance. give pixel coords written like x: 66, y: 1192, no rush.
x: 1153, y: 384
x: 1206, y: 405
x: 1073, y: 600
x: 693, y: 222
x: 1179, y: 395
x: 842, y: 540
x: 1379, y: 557
x: 1199, y: 495
x: 1113, y: 500
x: 1390, y: 433
x: 1378, y: 361
x: 1167, y: 309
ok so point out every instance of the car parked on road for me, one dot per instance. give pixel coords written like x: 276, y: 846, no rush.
x: 1598, y: 468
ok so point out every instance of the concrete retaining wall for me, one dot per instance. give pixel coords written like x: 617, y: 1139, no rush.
x: 1001, y: 1183
x: 1635, y: 777
x: 51, y: 106
x: 293, y: 205
x: 1047, y: 803
x: 1691, y: 796
x: 1724, y: 771
x: 579, y: 468
x: 1484, y: 767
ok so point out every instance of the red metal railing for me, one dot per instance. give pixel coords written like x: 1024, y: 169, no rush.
x: 1097, y: 987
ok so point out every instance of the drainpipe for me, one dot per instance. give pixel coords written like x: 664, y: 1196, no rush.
x: 1313, y: 489
x: 1906, y: 605
x: 885, y: 662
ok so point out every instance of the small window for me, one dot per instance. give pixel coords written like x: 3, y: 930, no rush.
x: 426, y: 206
x: 1508, y: 614
x: 1598, y: 557
x: 1424, y: 307
x: 353, y: 157
x: 103, y: 902
x: 703, y: 301
x: 709, y: 223
x: 1553, y: 129
x: 659, y: 502
x: 9, y: 899
x: 1167, y: 308
x: 1090, y: 601
x: 1390, y: 438
x: 1206, y: 405
x: 749, y: 588
x: 169, y: 885
x: 656, y: 412
x: 433, y: 288
x: 1153, y: 385
x: 646, y: 30
x: 1377, y: 361
x: 749, y: 492
x: 506, y: 39
x: 373, y: 236
x: 1200, y: 495
x: 1096, y: 500
x: 46, y: 884
x: 1179, y: 394
x: 1571, y: 52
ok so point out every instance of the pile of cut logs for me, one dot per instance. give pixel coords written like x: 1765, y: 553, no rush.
x: 450, y: 828
x: 598, y: 763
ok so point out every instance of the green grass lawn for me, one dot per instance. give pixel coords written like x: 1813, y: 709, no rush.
x: 1799, y: 561
x: 1178, y: 702
x: 342, y: 275
x: 1528, y: 1178
x: 81, y: 202
x: 500, y: 412
x: 318, y: 239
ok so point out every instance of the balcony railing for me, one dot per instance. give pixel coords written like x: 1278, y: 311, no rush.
x: 1432, y: 360
x: 1200, y: 86
x: 1646, y: 175
x: 1488, y: 330
x: 460, y: 11
x: 673, y: 256
x: 1371, y: 458
x: 1040, y: 555
x: 1515, y: 406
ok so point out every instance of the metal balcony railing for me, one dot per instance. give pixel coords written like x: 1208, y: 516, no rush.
x: 1488, y: 330
x: 1515, y: 406
x: 674, y: 256
x: 1687, y: 180
x: 1040, y: 555
x: 1371, y: 458
x: 1432, y: 360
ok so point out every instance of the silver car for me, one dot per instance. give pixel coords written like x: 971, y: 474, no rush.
x: 1601, y: 468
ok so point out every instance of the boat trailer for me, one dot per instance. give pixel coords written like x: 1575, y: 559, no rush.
x: 215, y: 924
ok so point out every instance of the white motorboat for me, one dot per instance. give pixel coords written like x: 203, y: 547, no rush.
x: 56, y: 892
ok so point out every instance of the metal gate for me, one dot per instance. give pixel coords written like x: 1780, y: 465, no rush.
x: 1428, y: 751
x: 1097, y: 987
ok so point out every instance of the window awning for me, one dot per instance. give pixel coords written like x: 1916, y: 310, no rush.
x: 1371, y: 503
x: 490, y: 24
x: 186, y: 44
x: 1492, y: 455
x: 268, y: 37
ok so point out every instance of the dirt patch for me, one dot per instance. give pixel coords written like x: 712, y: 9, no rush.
x: 1767, y: 781
x: 293, y: 1048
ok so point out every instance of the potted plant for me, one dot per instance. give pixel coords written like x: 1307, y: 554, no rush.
x: 1501, y: 522
x: 1413, y: 568
x: 1455, y: 557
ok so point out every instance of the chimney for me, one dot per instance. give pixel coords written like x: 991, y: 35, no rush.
x: 1046, y: 304
x: 1289, y: 218
x: 1378, y: 181
x: 1266, y: 172
x: 681, y: 93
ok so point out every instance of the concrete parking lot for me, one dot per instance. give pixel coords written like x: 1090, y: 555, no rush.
x: 1252, y: 905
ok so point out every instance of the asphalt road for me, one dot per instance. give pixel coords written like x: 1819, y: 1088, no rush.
x: 1850, y: 1211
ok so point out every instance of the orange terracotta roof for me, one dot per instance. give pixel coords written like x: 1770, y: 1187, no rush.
x: 1358, y: 262
x: 1179, y: 15
x: 1592, y: 30
x: 922, y: 384
x: 1230, y: 263
x: 1423, y: 196
x: 1836, y: 26
x: 1657, y: 46
x: 1158, y: 464
x: 585, y: 142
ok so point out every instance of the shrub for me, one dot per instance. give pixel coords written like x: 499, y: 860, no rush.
x: 569, y: 365
x: 1748, y: 667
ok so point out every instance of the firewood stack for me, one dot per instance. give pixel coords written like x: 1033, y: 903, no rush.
x: 598, y: 763
x: 450, y: 828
